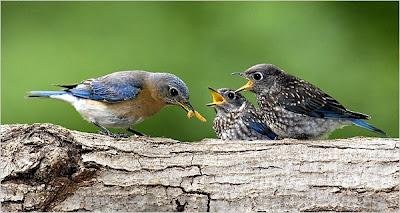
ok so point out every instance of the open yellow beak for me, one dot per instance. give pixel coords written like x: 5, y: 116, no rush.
x: 190, y: 111
x: 246, y: 87
x: 217, y: 99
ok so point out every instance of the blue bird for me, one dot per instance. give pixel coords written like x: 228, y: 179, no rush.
x: 294, y: 108
x: 237, y: 119
x: 122, y: 99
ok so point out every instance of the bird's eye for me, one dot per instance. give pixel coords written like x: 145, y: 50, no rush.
x: 173, y: 92
x: 231, y: 95
x: 257, y: 76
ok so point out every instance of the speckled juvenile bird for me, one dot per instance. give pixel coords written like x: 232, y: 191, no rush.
x: 122, y: 99
x: 237, y: 119
x: 294, y: 108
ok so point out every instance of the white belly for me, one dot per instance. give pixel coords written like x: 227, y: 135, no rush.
x: 107, y: 115
x: 104, y: 115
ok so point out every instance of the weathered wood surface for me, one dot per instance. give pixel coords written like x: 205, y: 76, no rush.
x: 45, y: 167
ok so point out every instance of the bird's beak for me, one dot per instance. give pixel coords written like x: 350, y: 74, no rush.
x: 246, y: 87
x: 190, y: 110
x: 237, y: 73
x: 186, y: 106
x: 217, y: 99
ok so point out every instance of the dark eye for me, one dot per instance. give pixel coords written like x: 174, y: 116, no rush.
x: 231, y: 95
x: 173, y: 92
x: 257, y: 76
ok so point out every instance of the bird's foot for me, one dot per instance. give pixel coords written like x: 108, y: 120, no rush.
x: 136, y: 132
x: 114, y: 135
x: 105, y: 131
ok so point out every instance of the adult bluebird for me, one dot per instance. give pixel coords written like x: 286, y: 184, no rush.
x: 237, y: 119
x: 294, y: 108
x: 123, y: 99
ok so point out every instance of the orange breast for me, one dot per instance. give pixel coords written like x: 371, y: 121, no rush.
x: 143, y: 106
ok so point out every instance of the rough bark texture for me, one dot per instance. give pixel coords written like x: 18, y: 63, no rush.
x: 45, y: 167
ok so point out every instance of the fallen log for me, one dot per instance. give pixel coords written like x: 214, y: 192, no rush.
x: 45, y: 167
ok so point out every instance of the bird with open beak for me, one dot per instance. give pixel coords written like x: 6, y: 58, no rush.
x: 237, y: 119
x: 123, y: 99
x: 294, y: 108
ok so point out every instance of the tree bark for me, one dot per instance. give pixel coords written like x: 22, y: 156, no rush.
x: 45, y: 167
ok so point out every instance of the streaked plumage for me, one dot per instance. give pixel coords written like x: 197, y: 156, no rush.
x: 122, y: 99
x: 294, y: 108
x: 237, y: 119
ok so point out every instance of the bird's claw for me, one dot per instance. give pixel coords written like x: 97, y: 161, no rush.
x: 114, y: 135
x: 136, y: 133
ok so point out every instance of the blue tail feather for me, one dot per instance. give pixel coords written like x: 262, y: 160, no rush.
x: 368, y: 126
x: 263, y: 129
x: 45, y: 93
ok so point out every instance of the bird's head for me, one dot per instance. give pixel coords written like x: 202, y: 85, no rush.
x: 171, y: 90
x: 226, y: 100
x: 260, y: 77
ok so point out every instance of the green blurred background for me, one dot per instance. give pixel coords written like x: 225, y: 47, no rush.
x: 350, y: 50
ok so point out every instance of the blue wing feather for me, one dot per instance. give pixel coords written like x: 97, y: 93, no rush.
x: 311, y: 101
x: 263, y: 129
x: 368, y: 126
x: 107, y: 91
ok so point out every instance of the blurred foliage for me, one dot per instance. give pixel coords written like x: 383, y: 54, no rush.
x: 350, y: 50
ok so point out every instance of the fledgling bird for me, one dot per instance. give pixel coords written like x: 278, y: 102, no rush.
x: 237, y: 119
x: 122, y: 99
x: 294, y: 108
